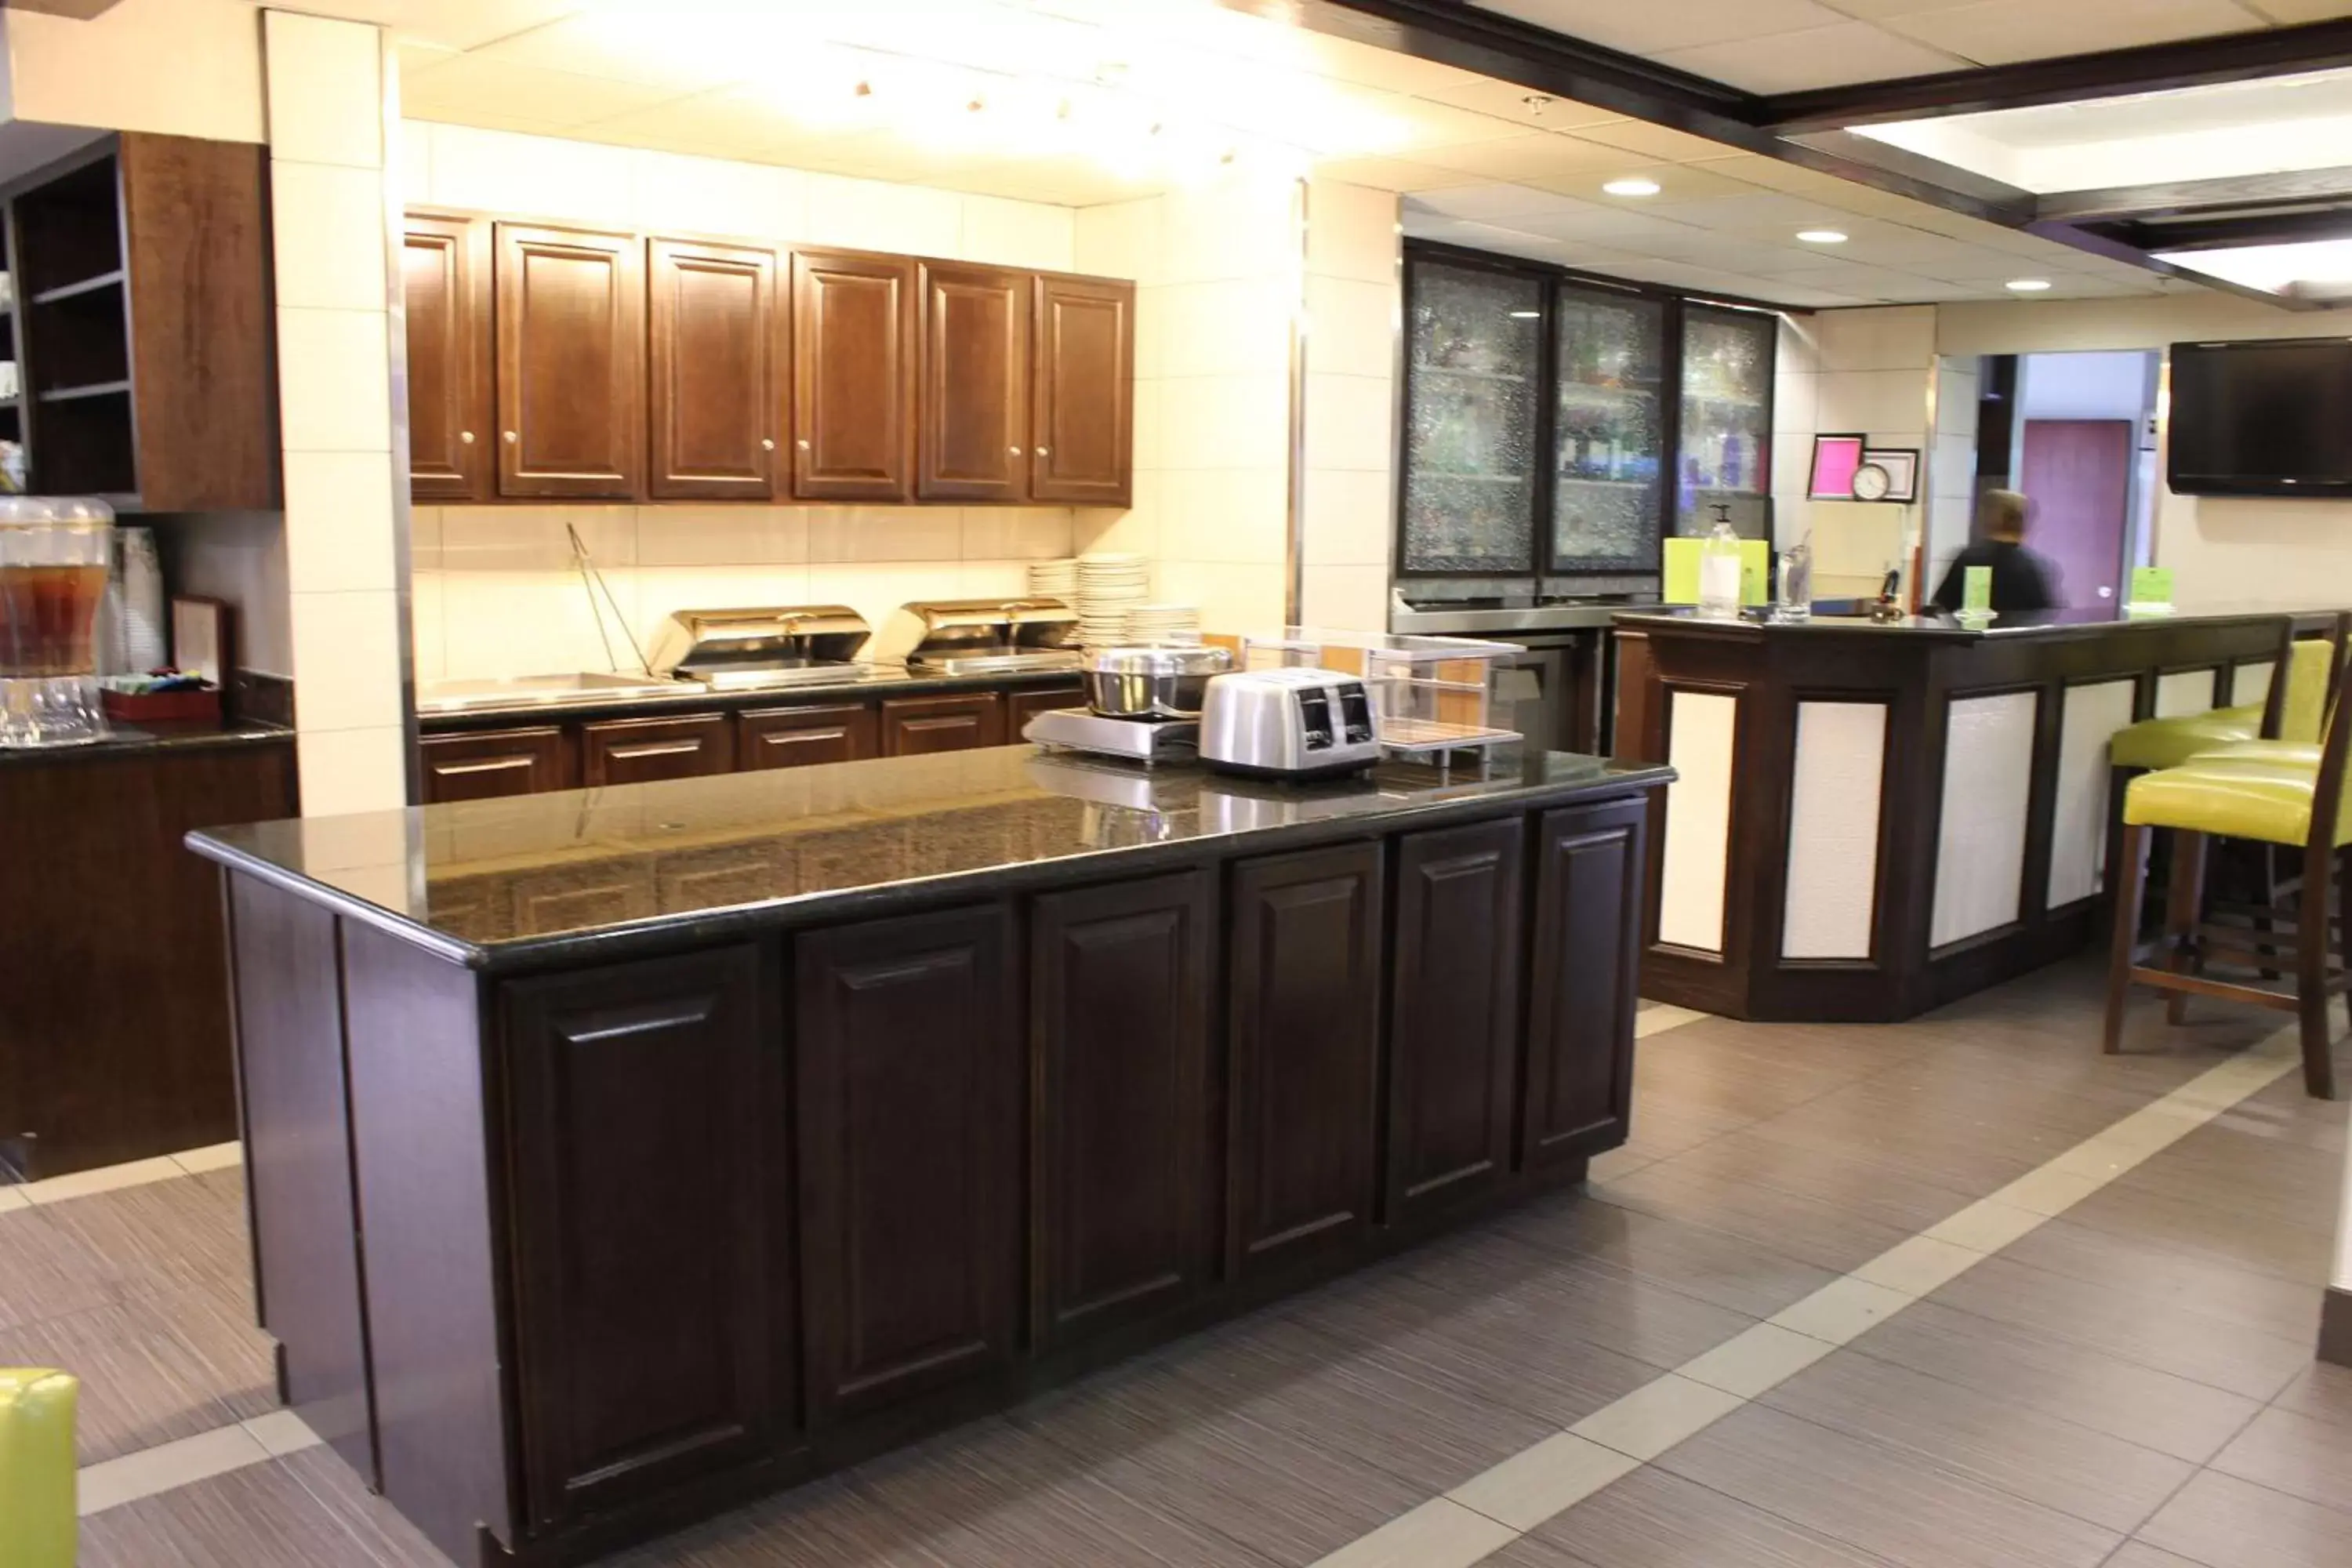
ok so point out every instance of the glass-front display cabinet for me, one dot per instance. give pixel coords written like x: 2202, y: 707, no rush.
x: 1558, y: 426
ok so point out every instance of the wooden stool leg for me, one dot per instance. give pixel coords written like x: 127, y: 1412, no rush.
x: 2184, y: 908
x: 2311, y: 974
x: 2128, y: 876
x: 2269, y: 900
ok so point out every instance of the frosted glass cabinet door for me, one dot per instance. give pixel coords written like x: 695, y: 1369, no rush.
x: 1608, y: 431
x: 1472, y: 379
x: 1727, y: 429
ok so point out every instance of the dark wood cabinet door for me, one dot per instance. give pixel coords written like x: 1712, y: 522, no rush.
x: 972, y: 439
x: 639, y: 751
x: 1581, y: 1000
x: 482, y: 765
x: 910, y: 1077
x: 716, y: 333
x: 1453, y: 1014
x: 798, y: 737
x: 1125, y: 1176
x: 445, y: 270
x: 1082, y: 428
x: 914, y: 726
x: 1020, y: 706
x: 651, y: 1314
x: 853, y: 376
x: 1304, y: 971
x: 570, y: 381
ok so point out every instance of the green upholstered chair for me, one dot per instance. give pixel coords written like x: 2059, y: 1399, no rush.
x: 2286, y: 794
x: 38, y: 1524
x: 2296, y: 707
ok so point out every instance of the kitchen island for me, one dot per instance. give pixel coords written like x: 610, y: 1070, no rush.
x: 1871, y: 820
x: 614, y: 1155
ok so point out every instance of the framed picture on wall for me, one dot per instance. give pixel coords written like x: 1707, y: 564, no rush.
x: 1902, y: 466
x: 1835, y: 457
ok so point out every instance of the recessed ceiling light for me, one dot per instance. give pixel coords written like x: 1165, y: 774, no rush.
x: 1822, y: 236
x: 1631, y: 187
x: 2027, y: 285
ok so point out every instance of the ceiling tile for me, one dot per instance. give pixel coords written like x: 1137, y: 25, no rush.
x: 1544, y: 156
x: 512, y: 91
x: 621, y: 47
x: 1658, y: 142
x: 1421, y: 125
x: 1815, y: 56
x: 2002, y: 32
x: 1392, y: 173
x: 1509, y: 101
x: 1644, y: 29
x: 1676, y: 182
x: 733, y: 123
x: 2289, y: 12
x: 1497, y: 203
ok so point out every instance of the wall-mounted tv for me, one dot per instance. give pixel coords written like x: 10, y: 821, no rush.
x: 2266, y: 419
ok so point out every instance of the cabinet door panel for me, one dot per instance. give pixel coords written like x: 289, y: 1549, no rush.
x: 973, y: 439
x: 444, y: 268
x: 485, y: 764
x: 853, y: 376
x: 1304, y: 1030
x: 1124, y: 1166
x: 910, y: 1077
x: 1589, y: 868
x: 570, y: 333
x: 1082, y: 426
x: 1020, y: 706
x: 639, y: 751
x: 800, y: 737
x: 916, y: 726
x: 1452, y: 1051
x: 717, y: 397
x: 649, y: 1312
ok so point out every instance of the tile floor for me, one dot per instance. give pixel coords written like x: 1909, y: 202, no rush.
x: 1955, y: 1292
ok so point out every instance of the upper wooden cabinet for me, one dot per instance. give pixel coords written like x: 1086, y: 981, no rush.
x: 1082, y: 429
x: 853, y: 375
x: 445, y: 270
x: 718, y: 366
x: 140, y: 325
x: 571, y: 365
x: 973, y: 439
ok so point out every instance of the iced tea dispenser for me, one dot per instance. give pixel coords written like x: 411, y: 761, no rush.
x: 54, y: 557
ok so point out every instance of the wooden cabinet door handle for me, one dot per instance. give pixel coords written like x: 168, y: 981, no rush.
x: 466, y: 437
x: 495, y: 765
x: 767, y: 444
x: 654, y: 748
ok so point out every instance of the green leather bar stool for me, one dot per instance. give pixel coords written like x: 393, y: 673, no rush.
x: 37, y: 1522
x: 2285, y: 800
x: 2301, y: 684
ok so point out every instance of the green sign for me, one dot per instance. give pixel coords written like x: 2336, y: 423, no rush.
x: 1976, y: 588
x: 2151, y: 585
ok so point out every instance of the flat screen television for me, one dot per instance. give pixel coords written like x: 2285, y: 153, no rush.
x: 2266, y: 418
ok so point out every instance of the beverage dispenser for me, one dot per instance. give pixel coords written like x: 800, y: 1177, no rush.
x: 55, y: 552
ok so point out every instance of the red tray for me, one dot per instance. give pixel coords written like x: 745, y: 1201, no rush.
x: 151, y: 707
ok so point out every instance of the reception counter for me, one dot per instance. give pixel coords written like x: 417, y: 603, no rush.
x: 1871, y: 820
x: 614, y: 1155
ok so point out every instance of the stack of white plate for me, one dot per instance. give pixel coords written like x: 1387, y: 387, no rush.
x: 1055, y: 580
x: 1164, y: 624
x: 1109, y: 587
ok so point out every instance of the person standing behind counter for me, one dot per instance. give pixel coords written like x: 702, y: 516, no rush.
x: 2022, y: 578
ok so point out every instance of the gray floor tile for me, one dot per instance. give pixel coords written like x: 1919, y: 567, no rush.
x: 2029, y: 1453
x: 141, y: 1384
x: 2221, y: 1521
x: 2321, y: 1391
x: 1734, y: 1272
x: 262, y: 1517
x: 2293, y: 1453
x: 1900, y: 1506
x: 1654, y: 1519
x: 2142, y: 1264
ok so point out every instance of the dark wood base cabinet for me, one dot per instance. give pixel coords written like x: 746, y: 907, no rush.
x: 565, y: 1257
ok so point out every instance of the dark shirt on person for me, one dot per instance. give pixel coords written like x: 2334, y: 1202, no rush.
x: 2021, y: 579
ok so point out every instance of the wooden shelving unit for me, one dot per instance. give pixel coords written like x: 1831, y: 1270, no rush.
x: 140, y: 325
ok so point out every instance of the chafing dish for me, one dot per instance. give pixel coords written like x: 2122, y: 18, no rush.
x: 750, y: 649
x: 980, y: 636
x: 1156, y: 682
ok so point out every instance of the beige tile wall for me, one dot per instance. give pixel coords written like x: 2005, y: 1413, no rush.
x: 496, y: 592
x: 1219, y: 281
x: 1354, y: 299
x: 1866, y: 370
x: 324, y: 93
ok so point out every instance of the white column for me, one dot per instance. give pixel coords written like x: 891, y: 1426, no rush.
x: 1354, y: 304
x: 345, y: 515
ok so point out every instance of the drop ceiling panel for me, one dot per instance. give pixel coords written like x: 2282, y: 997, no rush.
x: 2003, y: 32
x: 1641, y: 29
x: 1815, y: 57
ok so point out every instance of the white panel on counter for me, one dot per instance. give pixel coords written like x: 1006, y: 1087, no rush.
x: 1832, y: 881
x: 1701, y: 728
x: 2078, y: 828
x: 1980, y: 841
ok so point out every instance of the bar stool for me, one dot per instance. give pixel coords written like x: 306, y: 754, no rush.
x: 37, y: 1524
x: 2281, y: 794
x: 2294, y: 710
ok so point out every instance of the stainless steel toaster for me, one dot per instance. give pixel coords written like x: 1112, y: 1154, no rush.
x: 1291, y: 723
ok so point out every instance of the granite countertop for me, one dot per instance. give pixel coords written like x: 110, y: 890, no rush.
x: 132, y: 739
x: 2081, y: 622
x: 591, y: 873
x: 884, y: 680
